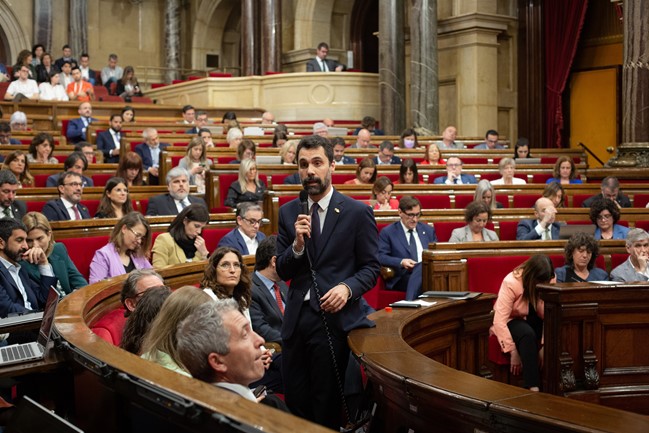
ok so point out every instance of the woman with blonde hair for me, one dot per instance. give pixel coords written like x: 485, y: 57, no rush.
x: 159, y: 343
x: 16, y: 162
x: 507, y: 168
x: 127, y: 249
x: 248, y: 187
x: 287, y: 152
x: 39, y: 235
x: 196, y: 163
x: 485, y: 192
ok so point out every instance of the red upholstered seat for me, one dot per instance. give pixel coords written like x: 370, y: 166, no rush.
x: 508, y: 230
x: 338, y: 178
x: 443, y: 229
x: 578, y: 199
x: 525, y: 200
x: 379, y: 298
x: 92, y: 206
x: 220, y: 75
x: 82, y: 250
x: 434, y: 201
x: 112, y: 98
x: 213, y: 236
x: 141, y: 205
x: 100, y: 91
x: 61, y: 158
x: 110, y: 327
x: 40, y: 180
x: 158, y: 85
x: 640, y: 200
x: 141, y: 100
x: 175, y: 160
x: 285, y: 199
x: 100, y: 179
x: 541, y: 177
x: 35, y: 206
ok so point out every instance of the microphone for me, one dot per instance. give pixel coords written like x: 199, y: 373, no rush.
x: 304, y: 203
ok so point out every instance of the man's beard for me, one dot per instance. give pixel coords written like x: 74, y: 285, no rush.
x: 179, y: 196
x: 14, y: 256
x: 315, y: 189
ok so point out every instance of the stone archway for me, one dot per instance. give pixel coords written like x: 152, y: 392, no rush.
x: 312, y: 23
x: 12, y: 36
x: 216, y: 31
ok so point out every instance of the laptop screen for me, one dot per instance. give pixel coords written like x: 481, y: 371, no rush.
x: 48, y: 318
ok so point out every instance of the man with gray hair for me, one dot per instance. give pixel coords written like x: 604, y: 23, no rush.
x: 386, y: 154
x: 177, y: 198
x: 9, y: 206
x: 635, y: 267
x: 610, y: 190
x: 18, y: 121
x: 246, y: 237
x: 150, y: 151
x: 320, y: 129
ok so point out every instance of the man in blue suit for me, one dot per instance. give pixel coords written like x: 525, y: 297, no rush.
x: 246, y: 237
x: 543, y: 226
x: 329, y: 252
x: 109, y: 142
x: 454, y: 175
x: 76, y: 131
x: 19, y: 293
x: 386, y: 154
x: 150, y: 151
x: 67, y: 206
x: 339, y: 152
x: 401, y: 245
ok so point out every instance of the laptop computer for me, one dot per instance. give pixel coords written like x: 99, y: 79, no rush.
x: 22, y: 319
x: 268, y: 159
x: 337, y: 132
x: 528, y: 160
x: 17, y: 353
x: 567, y: 230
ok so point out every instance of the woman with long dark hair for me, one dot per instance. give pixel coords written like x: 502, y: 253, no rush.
x: 115, y: 202
x: 183, y: 243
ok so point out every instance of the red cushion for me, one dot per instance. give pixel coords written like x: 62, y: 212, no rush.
x: 338, y: 178
x: 541, y: 177
x: 213, y: 236
x: 40, y: 180
x: 110, y: 326
x: 640, y: 200
x: 378, y: 297
x: 35, y: 206
x: 525, y: 200
x: 92, y: 206
x: 508, y: 230
x: 443, y: 229
x: 82, y: 250
x: 434, y: 201
x: 100, y: 179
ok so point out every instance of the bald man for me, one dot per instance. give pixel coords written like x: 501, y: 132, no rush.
x: 543, y: 227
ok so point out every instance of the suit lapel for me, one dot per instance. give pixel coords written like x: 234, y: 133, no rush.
x: 333, y: 213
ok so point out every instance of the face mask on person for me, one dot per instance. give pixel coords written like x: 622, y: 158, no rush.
x: 409, y: 144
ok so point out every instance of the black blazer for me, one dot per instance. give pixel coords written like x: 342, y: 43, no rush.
x: 55, y: 210
x: 18, y: 209
x: 264, y: 312
x: 11, y: 301
x: 165, y: 205
x: 313, y: 65
x: 106, y: 144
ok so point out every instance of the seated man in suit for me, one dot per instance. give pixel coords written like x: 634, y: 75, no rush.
x: 635, y: 267
x: 611, y: 190
x: 177, y: 198
x: 19, y: 293
x: 87, y: 74
x: 401, y: 245
x: 246, y: 237
x: 67, y: 206
x: 386, y: 154
x: 201, y: 122
x: 339, y: 152
x: 9, y: 206
x: 149, y: 151
x: 543, y: 226
x: 87, y: 149
x: 75, y: 162
x: 491, y: 141
x: 448, y: 139
x: 363, y: 140
x: 109, y: 142
x: 454, y: 174
x: 5, y: 134
x: 321, y: 64
x: 76, y: 131
x: 110, y: 326
x: 217, y: 345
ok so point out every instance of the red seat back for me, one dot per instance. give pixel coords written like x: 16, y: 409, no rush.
x: 434, y: 201
x: 82, y: 250
x: 443, y: 229
x: 525, y: 200
x: 508, y: 230
x: 92, y: 206
x: 35, y: 206
x: 100, y: 179
x: 213, y: 236
x: 40, y: 180
x: 640, y: 200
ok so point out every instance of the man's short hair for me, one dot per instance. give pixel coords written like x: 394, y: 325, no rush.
x: 73, y: 158
x: 201, y: 113
x: 75, y: 68
x: 266, y: 250
x: 491, y: 132
x: 407, y: 202
x: 7, y: 227
x: 201, y: 130
x: 204, y: 332
x: 129, y: 287
x: 65, y: 62
x: 338, y: 141
x: 636, y: 235
x: 112, y: 116
x: 176, y: 172
x: 84, y: 55
x: 6, y: 176
x: 67, y: 174
x: 112, y: 57
x: 246, y: 206
x: 322, y: 45
x: 314, y: 142
x: 5, y: 127
x: 66, y: 46
x: 610, y: 182
x: 368, y: 121
x: 147, y: 131
x: 18, y: 117
x: 80, y: 145
x: 386, y: 144
x: 186, y: 108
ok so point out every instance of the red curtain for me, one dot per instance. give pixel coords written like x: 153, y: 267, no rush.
x: 563, y: 22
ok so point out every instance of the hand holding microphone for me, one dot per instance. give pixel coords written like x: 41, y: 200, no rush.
x: 303, y: 223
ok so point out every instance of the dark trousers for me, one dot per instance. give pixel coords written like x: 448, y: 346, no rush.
x: 310, y: 380
x: 410, y: 282
x: 525, y: 337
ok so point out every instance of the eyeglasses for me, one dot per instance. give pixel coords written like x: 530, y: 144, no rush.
x: 74, y: 184
x: 412, y: 215
x: 254, y: 222
x: 227, y: 265
x: 136, y: 234
x: 604, y: 217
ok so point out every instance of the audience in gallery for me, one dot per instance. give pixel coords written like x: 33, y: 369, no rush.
x: 246, y: 237
x: 115, y: 202
x: 635, y: 267
x: 52, y: 90
x: 79, y: 89
x: 127, y: 249
x: 248, y: 187
x: 196, y: 163
x: 287, y: 152
x: 518, y: 318
x: 408, y: 173
x: 39, y: 235
x: 522, y: 148
x: 382, y: 194
x: 22, y: 88
x: 75, y: 162
x: 140, y: 319
x: 476, y: 215
x: 432, y: 155
x: 111, y: 72
x: 581, y: 251
x: 66, y: 57
x: 130, y: 169
x: 485, y: 192
x: 17, y: 163
x: 408, y: 139
x: 507, y: 168
x: 183, y: 243
x: 159, y: 344
x: 41, y: 149
x: 554, y: 191
x: 605, y: 214
x: 365, y: 173
x: 24, y: 59
x: 127, y: 86
x: 565, y: 171
x: 38, y: 51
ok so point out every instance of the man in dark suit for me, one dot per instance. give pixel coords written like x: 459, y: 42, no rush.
x: 76, y: 131
x: 67, y: 57
x: 67, y: 206
x: 149, y: 151
x: 246, y: 237
x: 610, y: 190
x: 339, y: 152
x: 75, y: 162
x: 19, y: 293
x: 178, y: 196
x: 454, y: 174
x: 5, y: 134
x: 9, y: 206
x: 201, y: 122
x: 331, y: 259
x: 543, y: 226
x: 109, y: 141
x: 321, y: 63
x: 86, y: 73
x: 401, y: 245
x: 293, y: 179
x: 386, y: 154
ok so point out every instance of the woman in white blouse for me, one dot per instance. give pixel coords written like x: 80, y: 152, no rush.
x: 507, y: 167
x: 53, y: 91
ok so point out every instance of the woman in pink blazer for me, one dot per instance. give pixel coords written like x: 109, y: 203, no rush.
x: 518, y: 319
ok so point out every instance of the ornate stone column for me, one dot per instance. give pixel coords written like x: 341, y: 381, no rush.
x: 78, y: 30
x: 391, y: 67
x: 634, y: 149
x: 424, y: 72
x: 172, y: 39
x: 248, y: 19
x: 271, y: 36
x: 43, y: 23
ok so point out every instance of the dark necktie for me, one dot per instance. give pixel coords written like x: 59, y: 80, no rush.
x: 413, y: 245
x: 315, y: 223
x: 7, y: 212
x: 77, y: 215
x: 455, y: 180
x: 278, y: 298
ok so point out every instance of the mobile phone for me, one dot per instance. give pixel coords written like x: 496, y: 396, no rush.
x: 259, y: 391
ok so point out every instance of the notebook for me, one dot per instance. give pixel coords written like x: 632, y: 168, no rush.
x: 17, y: 353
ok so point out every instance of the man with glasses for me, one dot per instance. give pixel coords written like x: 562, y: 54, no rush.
x: 67, y: 207
x: 401, y: 245
x: 177, y: 198
x: 611, y: 190
x: 23, y: 87
x: 246, y: 237
x: 200, y: 122
x: 491, y: 141
x: 454, y: 175
x: 87, y: 149
x: 635, y: 267
x: 5, y: 134
x: 386, y: 154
